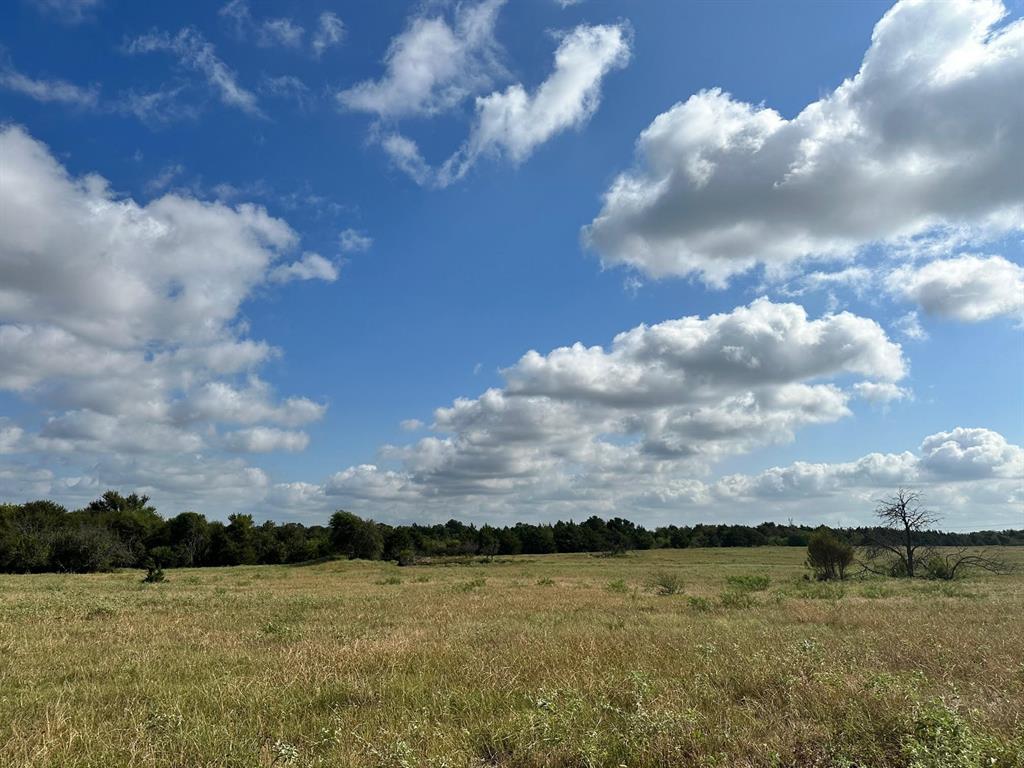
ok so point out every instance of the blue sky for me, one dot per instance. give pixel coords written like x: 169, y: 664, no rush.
x: 322, y: 221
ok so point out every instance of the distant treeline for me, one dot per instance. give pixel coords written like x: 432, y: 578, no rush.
x: 126, y: 531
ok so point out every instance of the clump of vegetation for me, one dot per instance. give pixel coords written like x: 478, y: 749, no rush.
x: 828, y: 556
x: 749, y: 582
x: 389, y: 581
x: 284, y: 753
x: 471, y: 585
x: 666, y: 583
x: 406, y: 556
x: 545, y: 582
x: 942, y: 738
x: 877, y: 591
x: 733, y: 598
x: 701, y: 604
x: 617, y: 586
x: 154, y: 574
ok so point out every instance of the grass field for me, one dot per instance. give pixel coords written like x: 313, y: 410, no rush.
x: 561, y: 660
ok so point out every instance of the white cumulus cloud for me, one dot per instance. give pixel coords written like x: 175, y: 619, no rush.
x: 967, y: 288
x: 926, y: 136
x: 433, y: 65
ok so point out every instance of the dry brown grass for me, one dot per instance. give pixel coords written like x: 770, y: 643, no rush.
x: 534, y: 661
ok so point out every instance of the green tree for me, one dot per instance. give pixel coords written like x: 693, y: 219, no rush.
x: 828, y: 556
x: 27, y: 535
x: 355, y: 537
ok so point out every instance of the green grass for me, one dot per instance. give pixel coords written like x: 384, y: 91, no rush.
x: 560, y: 661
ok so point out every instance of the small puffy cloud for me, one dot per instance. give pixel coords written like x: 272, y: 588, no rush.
x: 925, y: 137
x: 10, y: 436
x: 909, y: 327
x: 195, y: 52
x: 967, y: 288
x: 881, y: 391
x: 353, y: 241
x: 411, y: 425
x: 433, y: 65
x: 221, y: 402
x: 312, y: 266
x: 964, y: 453
x: 265, y: 440
x: 330, y: 32
x: 514, y: 122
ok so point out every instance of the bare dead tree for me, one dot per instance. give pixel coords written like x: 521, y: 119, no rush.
x: 904, y: 514
x: 898, y: 549
x: 946, y: 565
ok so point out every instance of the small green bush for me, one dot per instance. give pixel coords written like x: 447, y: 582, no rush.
x: 617, y: 586
x: 732, y: 598
x: 939, y: 568
x: 471, y: 585
x: 877, y: 591
x: 749, y: 583
x: 407, y: 557
x: 666, y: 583
x: 154, y: 575
x: 828, y: 556
x: 390, y: 580
x: 701, y: 604
x: 545, y: 582
x: 943, y: 739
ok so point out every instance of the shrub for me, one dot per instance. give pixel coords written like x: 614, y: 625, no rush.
x: 732, y: 598
x: 943, y: 739
x: 939, y: 568
x: 471, y: 585
x: 407, y: 556
x: 828, y: 556
x: 545, y: 582
x: 749, y: 583
x: 666, y: 583
x: 390, y: 580
x: 154, y: 574
x: 618, y: 586
x: 700, y: 603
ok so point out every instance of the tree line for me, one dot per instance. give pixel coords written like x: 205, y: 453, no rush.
x: 117, y: 531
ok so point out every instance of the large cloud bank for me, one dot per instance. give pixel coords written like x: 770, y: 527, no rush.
x: 924, y: 138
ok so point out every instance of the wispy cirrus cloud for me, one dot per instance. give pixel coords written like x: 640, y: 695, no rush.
x: 48, y: 89
x: 196, y: 53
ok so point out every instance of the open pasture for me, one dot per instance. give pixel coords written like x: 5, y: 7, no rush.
x: 709, y: 657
